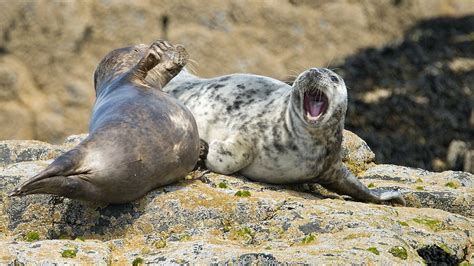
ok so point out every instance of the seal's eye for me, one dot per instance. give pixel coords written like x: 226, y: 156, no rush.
x: 334, y: 79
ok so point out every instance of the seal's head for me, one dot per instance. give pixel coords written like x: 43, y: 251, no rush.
x: 319, y: 97
x: 153, y: 65
x: 117, y: 62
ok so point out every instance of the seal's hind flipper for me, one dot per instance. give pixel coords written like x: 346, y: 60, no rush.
x: 74, y: 186
x: 394, y: 197
x: 343, y: 182
x: 64, y: 165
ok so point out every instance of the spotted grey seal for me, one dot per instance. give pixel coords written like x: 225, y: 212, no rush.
x: 272, y: 132
x: 140, y: 137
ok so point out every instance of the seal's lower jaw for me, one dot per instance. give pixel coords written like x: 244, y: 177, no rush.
x: 315, y: 106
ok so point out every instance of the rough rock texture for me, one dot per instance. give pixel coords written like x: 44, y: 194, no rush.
x: 91, y: 252
x: 356, y: 153
x: 14, y: 151
x: 49, y: 50
x: 201, y: 220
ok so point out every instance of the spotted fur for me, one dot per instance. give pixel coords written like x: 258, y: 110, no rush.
x: 257, y: 126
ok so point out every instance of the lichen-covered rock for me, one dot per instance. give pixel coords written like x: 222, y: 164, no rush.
x: 211, y: 218
x: 356, y: 154
x: 14, y: 151
x: 53, y: 252
x: 450, y: 191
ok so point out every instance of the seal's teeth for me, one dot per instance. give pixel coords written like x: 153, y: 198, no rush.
x: 312, y: 118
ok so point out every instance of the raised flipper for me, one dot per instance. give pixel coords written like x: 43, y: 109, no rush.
x: 229, y: 156
x: 159, y: 64
x: 343, y: 182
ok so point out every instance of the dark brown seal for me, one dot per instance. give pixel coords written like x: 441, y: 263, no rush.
x: 140, y: 138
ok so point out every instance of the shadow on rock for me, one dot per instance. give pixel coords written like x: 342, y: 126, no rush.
x: 84, y: 219
x: 434, y: 255
x: 54, y: 217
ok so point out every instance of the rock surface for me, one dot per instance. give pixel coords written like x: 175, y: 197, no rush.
x: 203, y: 219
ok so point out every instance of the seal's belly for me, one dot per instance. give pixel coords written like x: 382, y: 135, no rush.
x: 287, y: 176
x: 283, y: 168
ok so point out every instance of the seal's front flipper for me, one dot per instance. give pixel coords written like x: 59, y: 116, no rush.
x: 229, y: 156
x: 343, y: 182
x: 203, y: 151
x: 152, y: 56
x: 159, y: 64
x: 172, y: 61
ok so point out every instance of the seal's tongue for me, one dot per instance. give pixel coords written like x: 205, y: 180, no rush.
x: 315, y: 104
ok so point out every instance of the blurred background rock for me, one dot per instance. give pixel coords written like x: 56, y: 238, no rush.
x: 408, y: 64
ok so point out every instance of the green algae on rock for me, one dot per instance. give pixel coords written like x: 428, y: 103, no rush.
x: 69, y: 253
x: 160, y: 243
x: 222, y: 185
x: 453, y: 184
x: 308, y: 239
x: 32, y: 236
x: 137, y: 261
x: 373, y: 250
x: 402, y: 223
x: 242, y: 193
x: 433, y: 224
x: 399, y: 252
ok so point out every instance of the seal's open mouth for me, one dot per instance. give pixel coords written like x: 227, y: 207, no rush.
x: 315, y: 104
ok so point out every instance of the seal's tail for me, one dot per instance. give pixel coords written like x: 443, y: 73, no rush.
x: 57, y: 171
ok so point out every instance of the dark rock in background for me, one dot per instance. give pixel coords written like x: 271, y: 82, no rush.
x: 410, y: 99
